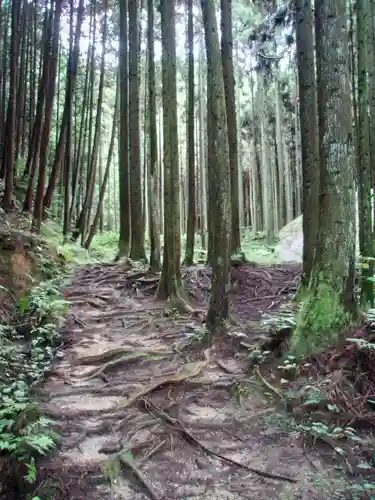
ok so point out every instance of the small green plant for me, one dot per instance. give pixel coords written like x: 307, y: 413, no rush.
x: 257, y: 356
x: 364, y: 488
x: 289, y: 367
x: 198, y: 336
x: 27, y: 351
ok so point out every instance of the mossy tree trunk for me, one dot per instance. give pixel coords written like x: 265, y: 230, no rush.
x: 170, y: 286
x: 330, y: 304
x: 218, y: 172
x: 190, y: 236
x: 309, y: 133
x: 137, y: 249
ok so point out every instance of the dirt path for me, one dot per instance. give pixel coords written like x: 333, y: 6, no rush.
x: 104, y: 412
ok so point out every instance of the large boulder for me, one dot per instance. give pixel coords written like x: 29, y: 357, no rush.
x: 290, y: 245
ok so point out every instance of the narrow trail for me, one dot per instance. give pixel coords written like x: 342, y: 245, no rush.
x: 135, y: 398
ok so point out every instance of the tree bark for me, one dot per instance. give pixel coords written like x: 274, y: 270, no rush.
x: 218, y: 172
x: 190, y: 236
x: 137, y: 249
x: 170, y: 286
x: 153, y: 180
x: 309, y: 133
x: 330, y: 303
x: 230, y: 101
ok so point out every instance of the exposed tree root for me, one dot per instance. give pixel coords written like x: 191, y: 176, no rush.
x: 176, y: 424
x: 111, y: 364
x: 118, y: 351
x: 267, y: 384
x: 122, y: 457
x: 226, y: 368
x: 188, y: 371
x: 181, y: 305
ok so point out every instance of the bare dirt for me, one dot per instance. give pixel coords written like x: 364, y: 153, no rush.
x: 144, y: 410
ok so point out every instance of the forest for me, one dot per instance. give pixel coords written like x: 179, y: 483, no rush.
x: 187, y: 249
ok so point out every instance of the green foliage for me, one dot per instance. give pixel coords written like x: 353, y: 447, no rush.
x: 105, y: 245
x: 27, y: 351
x: 256, y: 249
x: 365, y: 489
x: 103, y: 248
x: 289, y: 367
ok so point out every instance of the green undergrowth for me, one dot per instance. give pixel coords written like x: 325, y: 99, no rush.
x: 27, y: 350
x: 103, y: 249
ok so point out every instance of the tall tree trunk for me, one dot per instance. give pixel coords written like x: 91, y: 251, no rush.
x: 46, y: 132
x: 71, y: 77
x: 170, y: 285
x: 266, y: 172
x: 153, y: 179
x: 137, y: 249
x: 330, y: 304
x: 364, y: 20
x: 36, y: 131
x: 218, y: 172
x: 8, y: 160
x: 202, y: 151
x: 371, y: 92
x: 124, y: 192
x: 190, y: 237
x: 68, y: 137
x: 84, y: 219
x: 309, y: 133
x: 21, y: 83
x: 103, y: 186
x: 230, y: 101
x: 77, y: 171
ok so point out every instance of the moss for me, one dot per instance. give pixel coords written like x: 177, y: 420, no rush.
x: 320, y: 320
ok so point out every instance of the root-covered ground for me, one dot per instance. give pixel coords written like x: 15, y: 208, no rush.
x: 146, y: 409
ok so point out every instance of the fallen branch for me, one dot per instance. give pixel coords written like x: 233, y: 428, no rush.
x: 176, y: 424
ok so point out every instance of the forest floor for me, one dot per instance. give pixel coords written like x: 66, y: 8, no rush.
x: 146, y: 410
